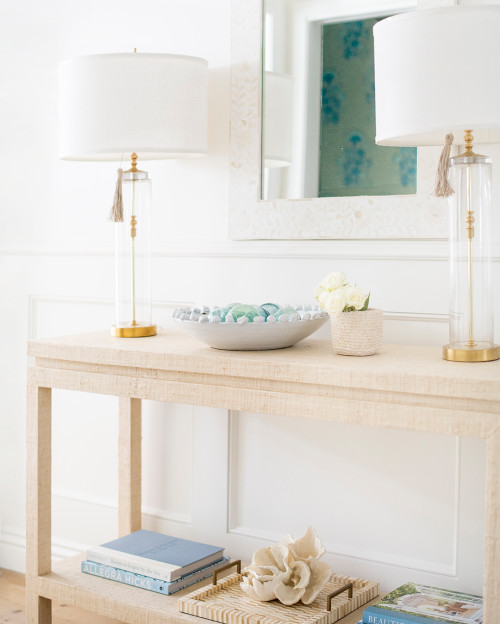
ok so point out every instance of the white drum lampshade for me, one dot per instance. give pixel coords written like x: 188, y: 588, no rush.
x: 116, y: 107
x: 435, y: 74
x: 112, y: 105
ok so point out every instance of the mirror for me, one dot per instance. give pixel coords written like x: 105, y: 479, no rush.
x: 356, y: 216
x: 318, y: 122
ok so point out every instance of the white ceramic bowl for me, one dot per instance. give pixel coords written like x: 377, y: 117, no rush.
x: 252, y: 336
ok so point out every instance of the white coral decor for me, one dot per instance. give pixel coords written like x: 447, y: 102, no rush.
x: 289, y: 571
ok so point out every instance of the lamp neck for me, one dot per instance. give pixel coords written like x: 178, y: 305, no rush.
x: 133, y: 161
x: 468, y: 140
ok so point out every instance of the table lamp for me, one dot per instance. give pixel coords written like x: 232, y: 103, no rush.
x: 115, y: 107
x: 436, y: 76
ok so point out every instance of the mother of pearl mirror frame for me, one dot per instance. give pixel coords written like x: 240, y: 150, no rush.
x: 390, y: 217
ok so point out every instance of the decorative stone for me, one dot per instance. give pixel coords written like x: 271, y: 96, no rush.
x: 219, y: 312
x: 270, y: 308
x: 284, y: 310
x: 203, y: 319
x: 249, y: 311
x: 262, y: 312
x: 241, y: 320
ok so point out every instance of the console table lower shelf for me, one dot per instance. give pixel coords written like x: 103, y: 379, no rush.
x: 227, y: 603
x: 67, y: 584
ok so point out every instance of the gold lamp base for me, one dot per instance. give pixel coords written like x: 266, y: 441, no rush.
x: 471, y: 354
x: 129, y: 331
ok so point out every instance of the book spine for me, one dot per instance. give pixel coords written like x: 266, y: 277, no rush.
x: 146, y: 582
x: 133, y: 563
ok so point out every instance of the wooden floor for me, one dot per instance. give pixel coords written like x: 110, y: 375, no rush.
x: 13, y: 610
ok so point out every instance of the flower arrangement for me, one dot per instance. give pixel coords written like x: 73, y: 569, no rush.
x: 334, y: 294
x: 288, y: 571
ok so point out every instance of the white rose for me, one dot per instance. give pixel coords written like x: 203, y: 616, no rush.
x: 335, y: 302
x: 320, y: 295
x: 333, y: 281
x: 355, y: 297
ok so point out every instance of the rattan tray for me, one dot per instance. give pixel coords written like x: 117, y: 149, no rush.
x: 226, y: 602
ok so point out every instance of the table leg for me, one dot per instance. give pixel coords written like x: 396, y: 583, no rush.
x: 492, y: 531
x: 38, y: 500
x: 129, y: 468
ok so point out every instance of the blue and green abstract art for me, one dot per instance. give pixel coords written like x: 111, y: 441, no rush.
x: 350, y: 161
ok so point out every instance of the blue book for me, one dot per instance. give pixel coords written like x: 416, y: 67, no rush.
x: 414, y: 603
x: 155, y: 555
x: 147, y: 582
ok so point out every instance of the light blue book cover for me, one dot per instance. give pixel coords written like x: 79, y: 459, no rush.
x: 149, y: 583
x: 155, y: 555
x: 414, y: 603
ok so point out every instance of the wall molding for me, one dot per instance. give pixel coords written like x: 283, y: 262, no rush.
x: 307, y: 249
x: 373, y: 250
x: 13, y: 549
x: 340, y: 550
x: 112, y: 503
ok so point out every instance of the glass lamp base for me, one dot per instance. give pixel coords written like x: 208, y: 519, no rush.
x: 471, y: 354
x: 137, y: 331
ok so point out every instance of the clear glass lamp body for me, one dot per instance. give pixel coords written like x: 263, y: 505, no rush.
x: 471, y: 293
x: 133, y: 308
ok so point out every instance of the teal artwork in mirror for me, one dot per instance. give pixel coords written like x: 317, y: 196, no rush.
x: 350, y: 162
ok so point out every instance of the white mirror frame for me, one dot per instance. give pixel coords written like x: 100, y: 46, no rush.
x: 418, y: 216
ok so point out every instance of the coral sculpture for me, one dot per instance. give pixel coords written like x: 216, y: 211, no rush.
x: 289, y: 570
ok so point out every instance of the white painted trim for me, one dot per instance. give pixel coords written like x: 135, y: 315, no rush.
x: 419, y: 317
x: 111, y: 503
x: 34, y: 300
x: 340, y: 550
x: 373, y: 250
x: 13, y: 549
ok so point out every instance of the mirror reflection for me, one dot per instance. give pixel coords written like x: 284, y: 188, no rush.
x: 318, y: 122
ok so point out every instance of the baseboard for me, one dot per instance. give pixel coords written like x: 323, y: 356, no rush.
x: 13, y: 549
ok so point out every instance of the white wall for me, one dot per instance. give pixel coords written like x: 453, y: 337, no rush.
x: 412, y: 505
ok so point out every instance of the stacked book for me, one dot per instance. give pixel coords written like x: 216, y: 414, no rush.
x: 154, y: 561
x: 414, y: 603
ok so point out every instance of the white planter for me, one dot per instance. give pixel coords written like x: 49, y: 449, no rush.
x: 357, y: 333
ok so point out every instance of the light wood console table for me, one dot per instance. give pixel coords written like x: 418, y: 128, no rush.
x: 401, y: 387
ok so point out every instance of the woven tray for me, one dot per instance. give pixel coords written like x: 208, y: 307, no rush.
x: 227, y: 603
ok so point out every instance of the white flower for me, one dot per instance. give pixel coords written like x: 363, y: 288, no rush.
x: 335, y: 301
x: 334, y: 294
x: 355, y: 297
x: 320, y: 294
x: 333, y: 281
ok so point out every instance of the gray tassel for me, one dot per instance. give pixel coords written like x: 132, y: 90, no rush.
x: 116, y: 213
x: 443, y: 187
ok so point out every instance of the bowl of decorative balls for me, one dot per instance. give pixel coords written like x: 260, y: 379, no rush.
x: 244, y: 327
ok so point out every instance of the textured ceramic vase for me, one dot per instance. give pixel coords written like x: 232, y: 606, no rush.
x: 357, y: 333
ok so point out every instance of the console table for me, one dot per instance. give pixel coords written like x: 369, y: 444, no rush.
x: 401, y: 387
